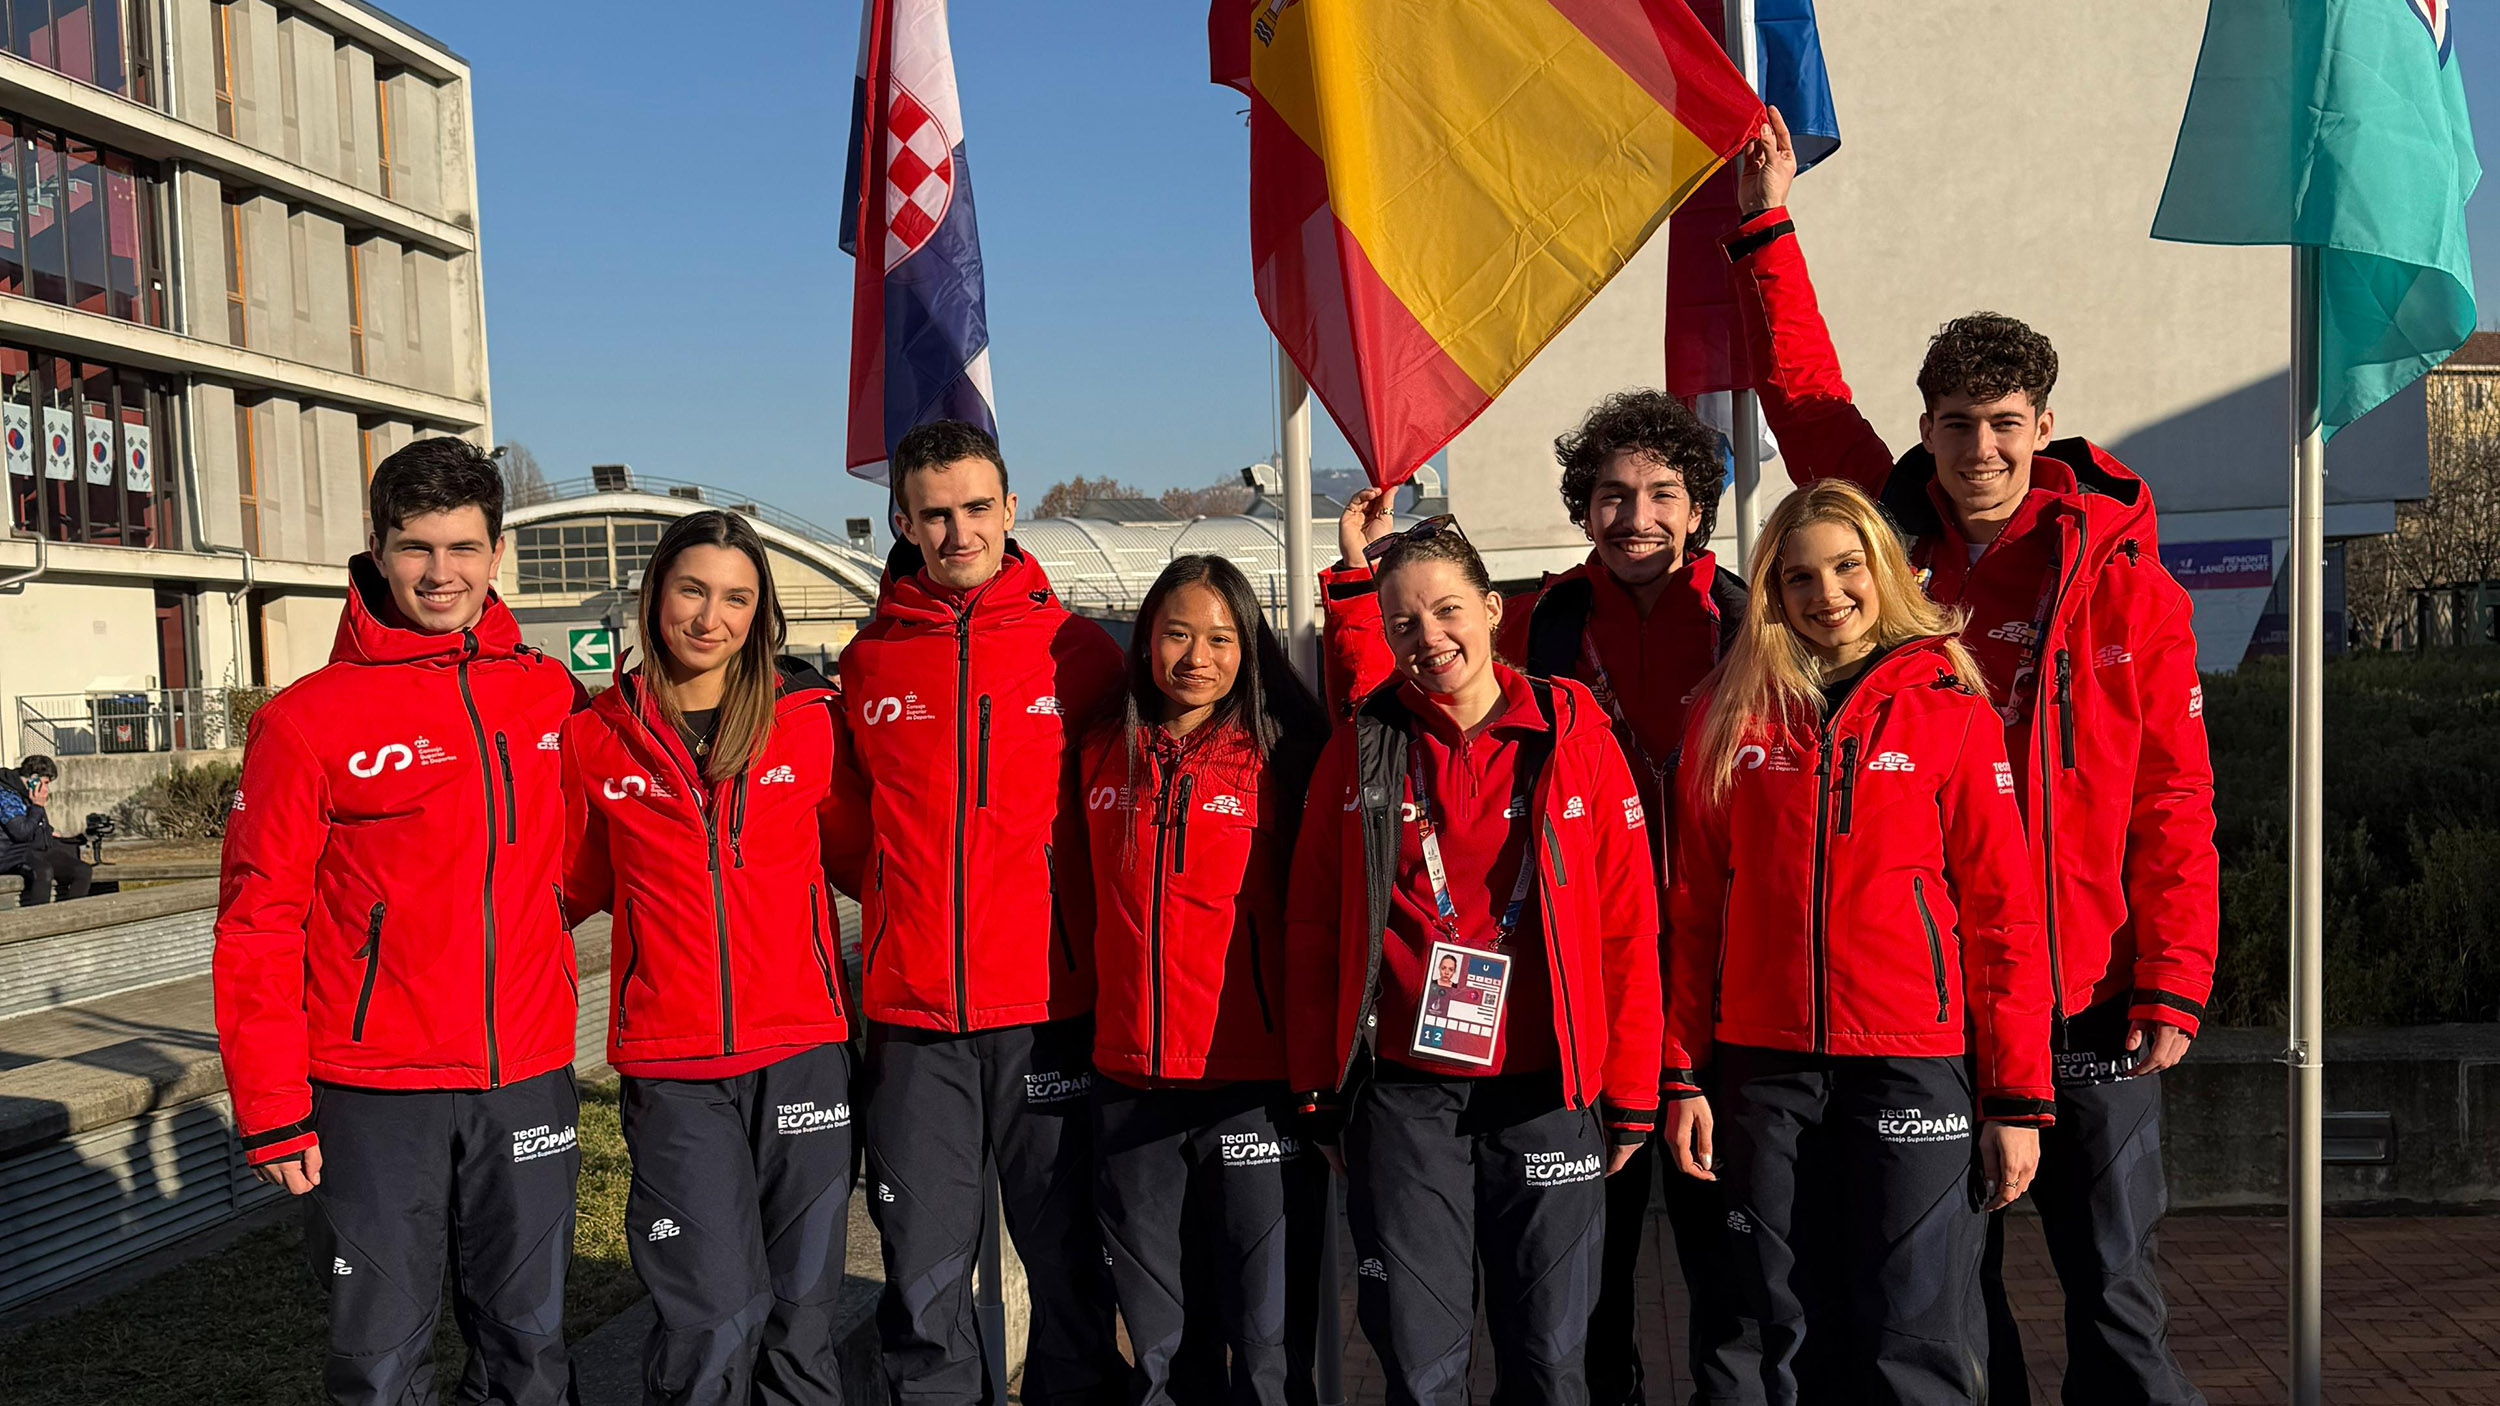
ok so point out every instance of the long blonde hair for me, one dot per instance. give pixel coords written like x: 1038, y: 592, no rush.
x: 1769, y: 675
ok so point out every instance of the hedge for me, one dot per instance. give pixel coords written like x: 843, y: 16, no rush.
x: 2412, y: 838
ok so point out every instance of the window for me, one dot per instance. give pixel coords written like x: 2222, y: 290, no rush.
x: 382, y: 116
x: 236, y: 320
x: 80, y: 445
x: 103, y: 42
x: 571, y: 558
x: 356, y: 309
x: 12, y: 244
x: 634, y: 542
x: 83, y: 196
x: 247, y: 476
x: 308, y: 455
x: 223, y: 13
x: 78, y: 225
x: 47, y: 250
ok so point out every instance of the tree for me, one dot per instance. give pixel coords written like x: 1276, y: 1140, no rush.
x: 2451, y: 536
x: 1222, y: 498
x: 1070, y: 497
x: 524, y: 482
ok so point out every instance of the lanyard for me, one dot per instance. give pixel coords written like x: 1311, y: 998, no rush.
x: 1430, y: 838
x: 2027, y: 664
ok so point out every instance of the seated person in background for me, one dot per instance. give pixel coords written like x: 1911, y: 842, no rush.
x: 27, y: 844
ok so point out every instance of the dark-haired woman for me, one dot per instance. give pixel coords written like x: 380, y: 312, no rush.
x: 1468, y: 811
x: 702, y: 791
x: 1192, y: 798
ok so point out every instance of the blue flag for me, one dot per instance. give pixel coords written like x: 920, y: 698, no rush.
x: 2339, y: 124
x: 1793, y: 78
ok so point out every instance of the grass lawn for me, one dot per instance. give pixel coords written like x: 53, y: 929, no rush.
x: 245, y: 1326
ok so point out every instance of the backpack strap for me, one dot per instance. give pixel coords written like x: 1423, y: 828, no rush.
x: 1728, y: 595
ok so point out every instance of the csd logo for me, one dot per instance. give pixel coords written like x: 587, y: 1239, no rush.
x: 1750, y: 757
x: 1103, y: 798
x: 395, y: 757
x: 881, y: 710
x: 623, y: 786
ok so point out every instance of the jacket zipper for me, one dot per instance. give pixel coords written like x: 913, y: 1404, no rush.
x: 572, y: 976
x: 816, y: 944
x: 372, y: 954
x: 511, y: 812
x: 1848, y: 781
x: 633, y: 960
x: 2066, y: 709
x: 963, y: 702
x: 1815, y: 934
x: 1935, y: 946
x: 1154, y: 929
x: 1180, y: 825
x: 983, y: 775
x: 477, y: 729
x: 720, y: 918
x: 1553, y: 944
x: 1258, y: 975
x: 883, y: 917
x: 1058, y: 923
x: 2048, y: 841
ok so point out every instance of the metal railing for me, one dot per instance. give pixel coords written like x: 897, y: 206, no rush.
x: 705, y: 494
x: 126, y: 720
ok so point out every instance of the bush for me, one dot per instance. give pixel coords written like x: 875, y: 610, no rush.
x: 2412, y: 838
x: 187, y: 803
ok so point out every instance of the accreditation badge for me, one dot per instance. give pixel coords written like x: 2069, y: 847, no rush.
x: 1460, y: 1016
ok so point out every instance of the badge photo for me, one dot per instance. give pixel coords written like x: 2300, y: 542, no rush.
x: 1460, y: 1015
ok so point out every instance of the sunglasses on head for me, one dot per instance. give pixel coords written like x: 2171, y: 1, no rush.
x: 1424, y: 531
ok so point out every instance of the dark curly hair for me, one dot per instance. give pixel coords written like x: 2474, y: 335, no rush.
x: 1987, y: 356
x: 437, y: 474
x: 1656, y: 423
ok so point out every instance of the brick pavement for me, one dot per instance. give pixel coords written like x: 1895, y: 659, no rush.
x: 2413, y: 1311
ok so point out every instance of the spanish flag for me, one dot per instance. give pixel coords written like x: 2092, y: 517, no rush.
x: 1438, y: 186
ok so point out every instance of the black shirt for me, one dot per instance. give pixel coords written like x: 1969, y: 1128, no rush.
x: 1837, y: 692
x: 695, y: 727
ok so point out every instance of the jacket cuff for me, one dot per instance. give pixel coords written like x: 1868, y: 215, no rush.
x: 279, y: 1143
x: 1675, y: 1083
x: 1626, y: 1126
x: 2021, y: 1110
x: 1755, y: 231
x: 2168, y: 1007
x: 1348, y: 582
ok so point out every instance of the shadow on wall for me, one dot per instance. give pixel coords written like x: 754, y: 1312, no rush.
x: 2234, y: 452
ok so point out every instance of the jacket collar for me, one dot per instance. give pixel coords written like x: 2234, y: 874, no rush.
x: 1019, y: 589
x: 371, y: 631
x: 1688, y: 586
x: 1518, y: 711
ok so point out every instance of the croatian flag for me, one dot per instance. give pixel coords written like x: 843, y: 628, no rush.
x: 920, y: 336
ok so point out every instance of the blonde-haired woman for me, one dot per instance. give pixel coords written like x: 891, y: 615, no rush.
x: 704, y: 806
x: 1856, y: 932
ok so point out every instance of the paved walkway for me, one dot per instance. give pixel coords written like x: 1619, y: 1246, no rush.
x: 2413, y: 1312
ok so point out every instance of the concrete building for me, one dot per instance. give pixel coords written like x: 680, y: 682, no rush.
x: 238, y: 266
x: 2036, y: 200
x: 574, y: 563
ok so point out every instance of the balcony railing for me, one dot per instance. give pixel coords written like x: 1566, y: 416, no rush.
x: 131, y: 720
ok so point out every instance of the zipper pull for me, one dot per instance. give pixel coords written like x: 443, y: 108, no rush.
x: 1848, y: 783
x: 2066, y: 709
x: 1823, y: 756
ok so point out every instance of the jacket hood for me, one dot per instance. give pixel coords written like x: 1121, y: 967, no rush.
x: 369, y: 632
x: 910, y: 597
x: 2114, y: 502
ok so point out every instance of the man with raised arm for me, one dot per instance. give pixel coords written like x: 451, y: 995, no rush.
x: 2086, y: 643
x: 966, y: 697
x: 395, y: 985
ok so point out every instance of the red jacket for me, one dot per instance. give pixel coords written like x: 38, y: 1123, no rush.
x: 1653, y: 663
x: 1820, y: 905
x: 964, y: 709
x: 387, y: 914
x: 1600, y: 934
x: 724, y: 943
x: 1189, y: 858
x: 2106, y: 728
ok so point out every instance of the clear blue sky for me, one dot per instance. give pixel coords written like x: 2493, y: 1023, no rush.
x: 660, y: 196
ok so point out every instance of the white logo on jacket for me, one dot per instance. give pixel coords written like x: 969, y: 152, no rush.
x: 396, y: 756
x: 1114, y: 798
x: 238, y: 799
x: 1224, y: 805
x: 1633, y: 819
x: 779, y: 775
x: 2005, y: 778
x: 2196, y: 701
x: 1573, y: 809
x: 617, y: 788
x: 906, y: 708
x: 1751, y: 756
x: 1046, y: 706
x: 1892, y: 761
x: 2111, y: 654
x: 550, y: 742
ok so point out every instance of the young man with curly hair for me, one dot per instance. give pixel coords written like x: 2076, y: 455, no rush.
x: 2091, y: 662
x: 1641, y: 622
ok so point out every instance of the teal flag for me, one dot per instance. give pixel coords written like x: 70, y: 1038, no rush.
x: 2340, y: 124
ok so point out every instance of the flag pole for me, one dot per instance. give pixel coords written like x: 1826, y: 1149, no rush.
x: 2306, y: 1054
x: 1293, y: 418
x: 1744, y: 407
